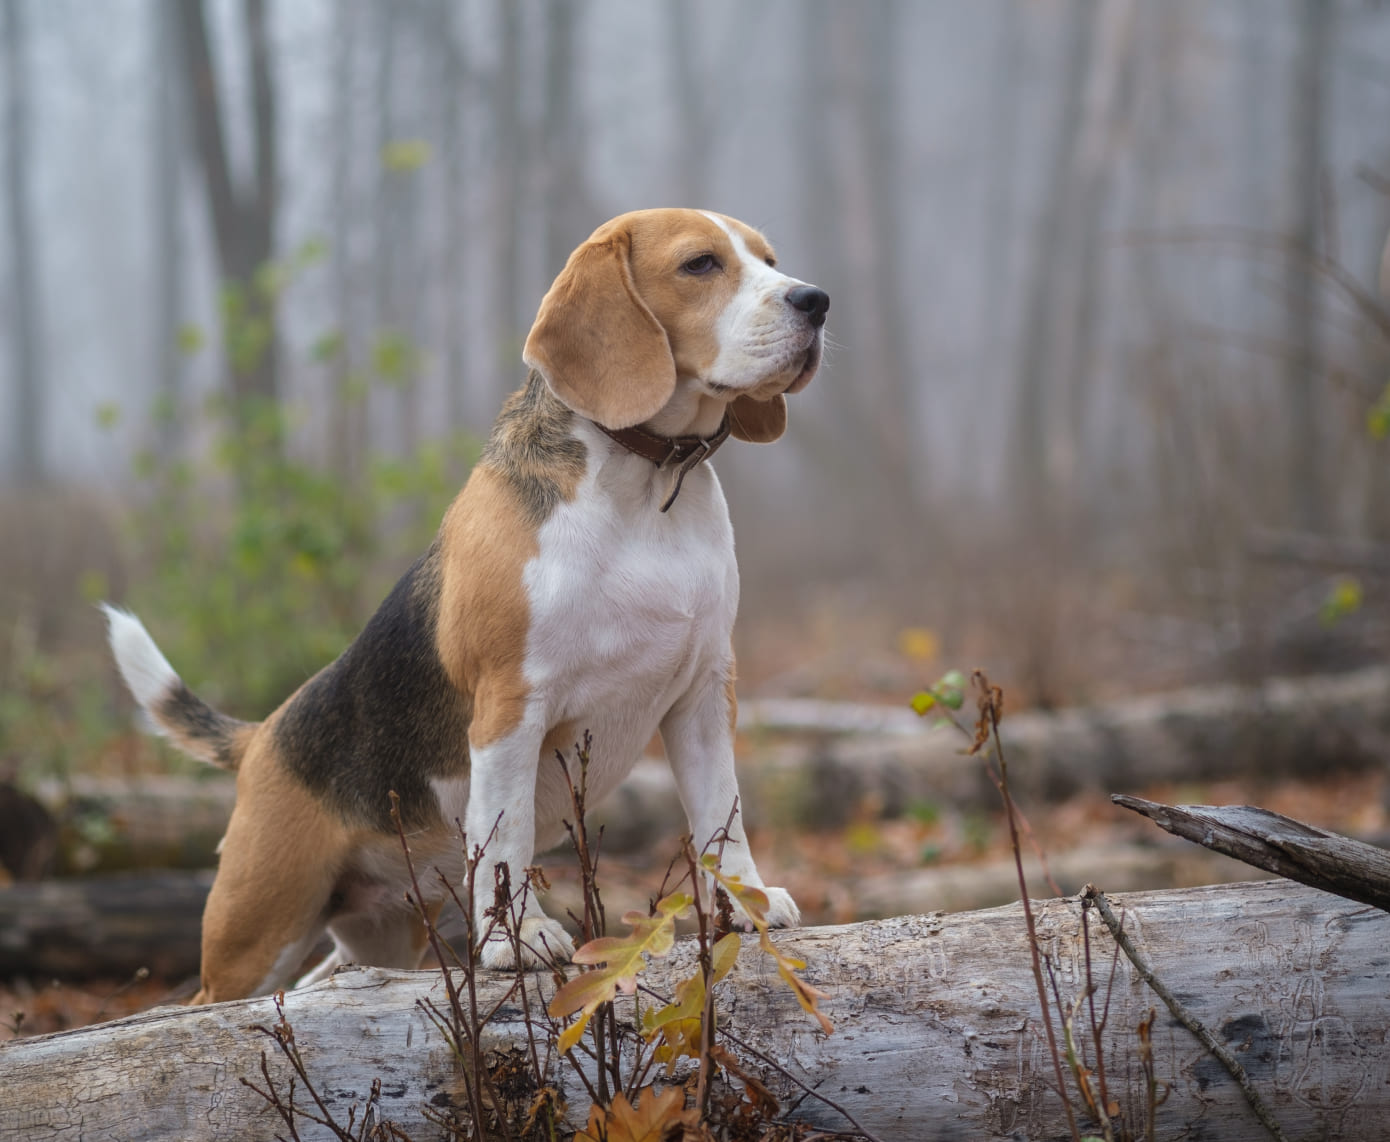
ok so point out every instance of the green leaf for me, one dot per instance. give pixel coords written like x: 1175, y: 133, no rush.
x: 94, y: 586
x: 270, y: 280
x: 310, y: 253
x: 1378, y: 416
x: 394, y: 358
x: 108, y: 415
x: 328, y: 346
x: 189, y: 339
x: 950, y: 689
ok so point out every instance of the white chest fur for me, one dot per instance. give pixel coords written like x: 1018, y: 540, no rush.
x: 629, y: 606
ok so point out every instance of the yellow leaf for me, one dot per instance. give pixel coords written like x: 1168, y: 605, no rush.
x: 919, y: 643
x: 754, y: 904
x: 1343, y: 598
x: 573, y: 1033
x: 622, y: 957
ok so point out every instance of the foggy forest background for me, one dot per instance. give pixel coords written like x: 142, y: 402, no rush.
x: 1106, y: 400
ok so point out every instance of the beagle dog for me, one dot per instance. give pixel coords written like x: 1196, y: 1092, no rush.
x: 583, y: 579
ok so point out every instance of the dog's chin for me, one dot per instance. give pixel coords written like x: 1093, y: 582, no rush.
x: 775, y: 385
x: 809, y: 367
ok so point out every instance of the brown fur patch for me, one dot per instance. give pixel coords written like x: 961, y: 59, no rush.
x: 487, y: 538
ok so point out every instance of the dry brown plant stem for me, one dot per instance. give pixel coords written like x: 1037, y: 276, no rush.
x: 987, y: 731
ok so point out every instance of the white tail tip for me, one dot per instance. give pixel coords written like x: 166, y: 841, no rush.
x: 145, y: 669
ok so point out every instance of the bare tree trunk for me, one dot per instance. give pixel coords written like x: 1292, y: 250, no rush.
x: 388, y: 212
x: 453, y: 80
x: 694, y: 141
x: 998, y: 302
x: 876, y: 116
x: 506, y: 205
x: 1108, y: 105
x: 937, y: 1030
x: 568, y: 217
x: 25, y: 283
x: 167, y: 124
x: 1032, y: 475
x: 243, y: 218
x: 862, y: 448
x: 1302, y: 312
x: 347, y: 401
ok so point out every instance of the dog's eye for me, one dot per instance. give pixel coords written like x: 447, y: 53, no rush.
x: 701, y: 265
x: 770, y: 260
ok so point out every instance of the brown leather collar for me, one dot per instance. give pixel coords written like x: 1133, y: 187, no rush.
x: 682, y: 452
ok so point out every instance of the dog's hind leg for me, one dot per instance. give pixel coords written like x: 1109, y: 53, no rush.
x: 274, y: 890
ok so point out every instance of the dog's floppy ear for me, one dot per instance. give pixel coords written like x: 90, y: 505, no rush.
x: 758, y: 421
x: 598, y: 346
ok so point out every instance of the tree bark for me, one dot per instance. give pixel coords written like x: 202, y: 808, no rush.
x: 936, y: 1030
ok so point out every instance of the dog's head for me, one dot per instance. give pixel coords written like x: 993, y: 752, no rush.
x: 658, y: 298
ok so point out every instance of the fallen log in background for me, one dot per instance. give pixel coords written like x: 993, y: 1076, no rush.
x: 110, y: 824
x: 936, y: 1030
x: 106, y: 926
x: 852, y: 761
x: 1280, y: 728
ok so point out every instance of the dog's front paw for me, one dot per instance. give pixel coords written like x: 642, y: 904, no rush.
x: 782, y: 911
x: 543, y: 940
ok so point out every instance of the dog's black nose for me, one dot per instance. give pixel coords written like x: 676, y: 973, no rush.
x: 811, y: 301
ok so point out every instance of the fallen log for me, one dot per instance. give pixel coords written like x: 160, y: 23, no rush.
x: 937, y: 1032
x: 156, y: 821
x: 105, y: 926
x: 851, y: 762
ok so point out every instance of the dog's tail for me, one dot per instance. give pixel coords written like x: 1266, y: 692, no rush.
x: 171, y: 708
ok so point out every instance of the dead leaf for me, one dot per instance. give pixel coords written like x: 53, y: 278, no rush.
x: 655, y: 1118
